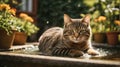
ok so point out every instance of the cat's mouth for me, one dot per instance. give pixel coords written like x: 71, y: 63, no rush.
x: 76, y: 41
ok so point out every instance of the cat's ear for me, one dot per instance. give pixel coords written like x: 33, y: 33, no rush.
x: 86, y: 19
x: 67, y: 19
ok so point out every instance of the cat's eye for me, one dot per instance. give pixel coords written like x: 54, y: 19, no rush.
x: 71, y: 33
x: 67, y: 33
x: 82, y: 32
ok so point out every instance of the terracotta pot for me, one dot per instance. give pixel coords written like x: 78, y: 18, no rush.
x: 99, y: 37
x: 112, y: 38
x: 20, y: 38
x: 6, y: 41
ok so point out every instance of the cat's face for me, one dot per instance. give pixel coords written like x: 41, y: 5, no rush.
x: 76, y: 30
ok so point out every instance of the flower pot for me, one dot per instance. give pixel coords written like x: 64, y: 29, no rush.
x: 99, y: 37
x: 112, y: 38
x: 20, y: 38
x: 6, y: 41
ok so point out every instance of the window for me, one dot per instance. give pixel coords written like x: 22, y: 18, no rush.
x: 28, y: 6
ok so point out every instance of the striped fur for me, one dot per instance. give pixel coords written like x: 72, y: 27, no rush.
x: 72, y: 40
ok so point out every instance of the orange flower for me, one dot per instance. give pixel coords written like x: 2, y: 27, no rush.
x: 95, y: 20
x: 23, y: 15
x: 4, y: 6
x: 29, y: 19
x: 13, y: 11
x: 101, y: 18
x: 117, y: 22
x: 26, y: 17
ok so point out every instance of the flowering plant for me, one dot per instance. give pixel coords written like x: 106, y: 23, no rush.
x: 117, y: 23
x: 109, y: 9
x: 112, y: 12
x: 98, y: 24
x: 7, y: 18
x: 25, y: 24
x: 9, y: 22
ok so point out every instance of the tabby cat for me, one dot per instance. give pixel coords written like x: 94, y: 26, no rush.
x: 73, y: 40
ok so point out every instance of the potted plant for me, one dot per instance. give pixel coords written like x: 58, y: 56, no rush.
x: 113, y: 33
x: 7, y: 27
x: 98, y: 29
x: 109, y: 9
x: 26, y: 28
x: 112, y: 12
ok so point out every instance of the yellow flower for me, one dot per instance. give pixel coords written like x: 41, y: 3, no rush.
x: 4, y: 7
x: 117, y: 22
x: 101, y: 18
x: 26, y: 17
x: 13, y: 11
x: 23, y: 15
x: 29, y: 19
x: 95, y: 20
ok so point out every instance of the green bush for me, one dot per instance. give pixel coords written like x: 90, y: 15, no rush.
x: 53, y: 11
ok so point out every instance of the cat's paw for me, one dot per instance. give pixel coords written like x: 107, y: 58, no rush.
x: 75, y: 53
x: 92, y: 52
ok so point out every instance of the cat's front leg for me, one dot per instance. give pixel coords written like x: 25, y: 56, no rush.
x: 75, y: 53
x: 91, y: 51
x: 67, y: 52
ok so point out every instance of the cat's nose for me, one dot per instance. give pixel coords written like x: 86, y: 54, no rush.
x: 76, y: 38
x: 76, y: 35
